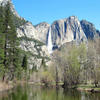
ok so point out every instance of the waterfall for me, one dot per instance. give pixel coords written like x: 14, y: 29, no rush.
x: 50, y: 46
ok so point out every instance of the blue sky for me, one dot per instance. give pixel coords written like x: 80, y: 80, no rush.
x: 38, y: 11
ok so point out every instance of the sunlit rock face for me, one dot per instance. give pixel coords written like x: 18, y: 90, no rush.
x: 65, y: 30
x: 31, y: 32
x: 36, y: 52
x: 30, y: 42
x: 42, y: 30
x: 27, y: 30
x: 38, y: 32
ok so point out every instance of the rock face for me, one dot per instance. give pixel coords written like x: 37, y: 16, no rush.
x: 38, y: 32
x: 27, y: 30
x: 35, y: 51
x: 29, y: 42
x: 89, y: 29
x: 42, y: 29
x: 65, y: 30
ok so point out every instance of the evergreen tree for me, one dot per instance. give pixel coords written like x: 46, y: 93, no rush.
x: 2, y: 40
x: 24, y: 63
x: 11, y: 51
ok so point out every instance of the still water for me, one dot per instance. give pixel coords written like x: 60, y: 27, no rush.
x: 38, y: 93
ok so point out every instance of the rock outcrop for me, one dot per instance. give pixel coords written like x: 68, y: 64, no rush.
x: 42, y: 30
x: 38, y: 32
x: 30, y: 43
x: 35, y: 51
x: 27, y: 30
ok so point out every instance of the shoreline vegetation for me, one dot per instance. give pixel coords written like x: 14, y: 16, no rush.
x: 80, y: 87
x: 4, y: 87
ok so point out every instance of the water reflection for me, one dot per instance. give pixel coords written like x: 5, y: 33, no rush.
x: 38, y: 93
x: 90, y: 96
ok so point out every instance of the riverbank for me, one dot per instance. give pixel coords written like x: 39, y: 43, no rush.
x: 10, y: 85
x: 88, y: 88
x: 5, y: 86
x: 85, y: 88
x: 82, y: 87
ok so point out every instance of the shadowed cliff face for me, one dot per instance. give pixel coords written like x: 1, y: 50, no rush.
x: 89, y: 30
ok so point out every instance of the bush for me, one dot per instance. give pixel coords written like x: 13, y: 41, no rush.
x: 46, y: 78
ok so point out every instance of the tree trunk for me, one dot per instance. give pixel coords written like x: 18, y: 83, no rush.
x: 57, y: 79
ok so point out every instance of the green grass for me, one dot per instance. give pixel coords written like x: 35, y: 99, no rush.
x: 85, y: 86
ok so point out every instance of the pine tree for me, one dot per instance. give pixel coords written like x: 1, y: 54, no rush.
x: 2, y: 40
x: 24, y: 66
x: 24, y: 62
x: 11, y: 51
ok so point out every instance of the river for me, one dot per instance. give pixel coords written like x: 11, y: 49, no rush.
x: 38, y: 93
